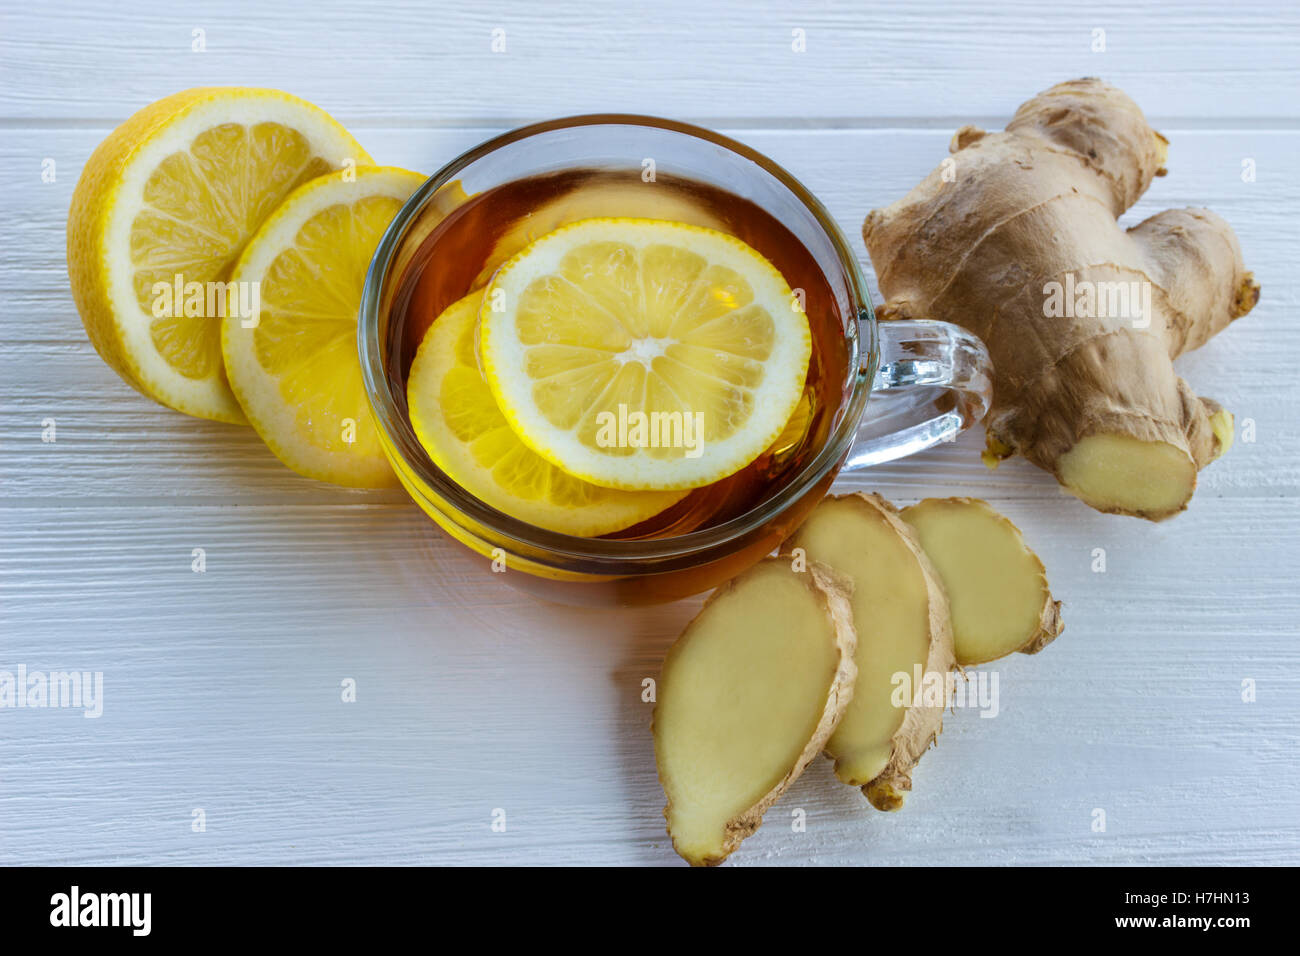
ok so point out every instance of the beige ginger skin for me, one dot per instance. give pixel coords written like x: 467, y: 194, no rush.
x: 985, y: 239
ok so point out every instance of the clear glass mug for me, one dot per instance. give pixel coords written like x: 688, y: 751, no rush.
x: 926, y: 380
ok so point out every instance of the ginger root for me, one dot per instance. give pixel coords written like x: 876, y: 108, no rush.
x: 1015, y: 238
x: 749, y: 694
x: 996, y: 586
x: 900, y: 614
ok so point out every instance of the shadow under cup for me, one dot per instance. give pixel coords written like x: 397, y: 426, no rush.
x: 442, y: 245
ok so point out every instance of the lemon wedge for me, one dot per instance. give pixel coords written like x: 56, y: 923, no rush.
x: 642, y: 354
x: 163, y: 209
x: 295, y: 370
x: 458, y: 423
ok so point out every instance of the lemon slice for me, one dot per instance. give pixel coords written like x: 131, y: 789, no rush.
x: 176, y: 191
x: 459, y: 425
x: 296, y: 371
x: 622, y: 196
x: 641, y: 354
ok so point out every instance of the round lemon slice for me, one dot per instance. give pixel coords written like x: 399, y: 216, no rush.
x: 163, y: 209
x: 641, y: 354
x: 295, y: 369
x: 622, y: 196
x: 458, y: 423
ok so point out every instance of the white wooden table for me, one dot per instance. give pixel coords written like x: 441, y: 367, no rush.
x: 222, y: 689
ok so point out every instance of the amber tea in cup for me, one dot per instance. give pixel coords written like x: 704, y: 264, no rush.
x: 930, y: 379
x: 461, y: 253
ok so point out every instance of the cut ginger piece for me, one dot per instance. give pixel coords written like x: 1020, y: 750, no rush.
x: 900, y: 615
x: 997, y: 587
x: 1083, y: 319
x: 750, y: 693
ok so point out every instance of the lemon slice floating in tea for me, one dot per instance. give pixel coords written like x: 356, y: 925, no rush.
x: 296, y: 371
x: 643, y: 354
x: 458, y: 423
x: 176, y: 191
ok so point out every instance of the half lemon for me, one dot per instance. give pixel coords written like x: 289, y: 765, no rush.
x: 163, y: 209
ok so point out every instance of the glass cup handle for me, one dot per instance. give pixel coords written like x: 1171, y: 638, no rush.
x: 934, y: 379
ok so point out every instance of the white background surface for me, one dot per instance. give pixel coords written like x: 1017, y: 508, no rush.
x: 222, y: 689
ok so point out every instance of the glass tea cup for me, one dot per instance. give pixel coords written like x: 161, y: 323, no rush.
x: 927, y: 380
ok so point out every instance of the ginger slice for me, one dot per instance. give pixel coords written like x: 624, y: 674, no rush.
x: 997, y: 587
x: 749, y: 694
x: 900, y: 614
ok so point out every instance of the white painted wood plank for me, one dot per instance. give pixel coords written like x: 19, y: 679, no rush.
x: 716, y: 61
x: 222, y: 692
